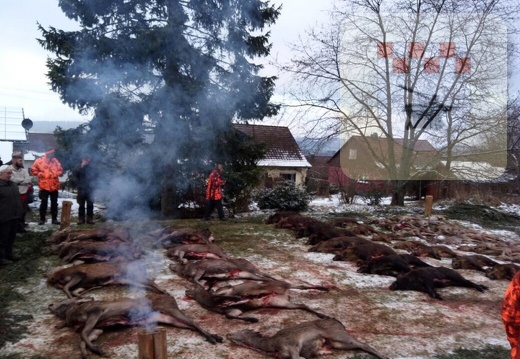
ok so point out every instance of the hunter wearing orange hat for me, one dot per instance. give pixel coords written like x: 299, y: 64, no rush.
x: 48, y: 169
x: 511, y: 315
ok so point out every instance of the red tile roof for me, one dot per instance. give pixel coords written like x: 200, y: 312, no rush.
x: 279, y: 141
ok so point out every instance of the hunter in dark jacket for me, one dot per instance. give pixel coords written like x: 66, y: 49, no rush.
x: 10, y: 213
x: 85, y: 177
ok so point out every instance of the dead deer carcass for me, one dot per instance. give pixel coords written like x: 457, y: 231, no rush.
x: 90, y: 316
x: 233, y: 301
x: 307, y: 340
x: 183, y: 252
x: 86, y: 276
x: 95, y: 251
x: 212, y: 270
x: 98, y: 234
x: 170, y: 236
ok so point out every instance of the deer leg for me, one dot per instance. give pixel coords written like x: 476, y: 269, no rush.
x: 236, y: 314
x: 282, y: 301
x: 198, y: 276
x: 181, y: 321
x: 88, y: 331
x: 71, y: 283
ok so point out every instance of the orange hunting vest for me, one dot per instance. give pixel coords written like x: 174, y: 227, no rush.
x: 47, y: 172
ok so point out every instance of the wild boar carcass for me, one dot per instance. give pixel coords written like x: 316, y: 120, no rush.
x: 304, y: 340
x: 294, y: 222
x: 75, y: 279
x: 363, y: 252
x: 212, y: 270
x: 94, y: 251
x: 278, y: 216
x: 183, y: 252
x: 324, y: 234
x: 444, y: 251
x: 334, y: 245
x: 89, y: 317
x: 503, y: 271
x: 233, y: 301
x: 475, y: 261
x: 169, y: 236
x: 391, y: 265
x: 428, y: 278
x: 343, y: 221
x: 307, y: 229
x: 418, y: 249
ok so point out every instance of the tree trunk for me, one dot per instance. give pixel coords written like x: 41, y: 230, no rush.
x: 398, y: 195
x: 168, y: 193
x: 168, y: 201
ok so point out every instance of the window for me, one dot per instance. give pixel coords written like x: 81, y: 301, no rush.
x: 352, y: 154
x: 288, y: 176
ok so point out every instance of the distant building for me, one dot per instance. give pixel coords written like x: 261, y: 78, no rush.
x: 359, y: 165
x: 11, y: 131
x: 318, y: 174
x: 283, y: 159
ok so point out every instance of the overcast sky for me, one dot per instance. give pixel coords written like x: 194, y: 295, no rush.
x: 23, y: 83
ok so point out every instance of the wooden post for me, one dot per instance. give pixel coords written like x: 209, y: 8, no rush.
x: 152, y: 345
x: 159, y: 344
x: 428, y: 204
x: 65, y: 214
x: 146, y: 347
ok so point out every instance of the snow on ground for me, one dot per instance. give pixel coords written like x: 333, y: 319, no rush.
x: 400, y: 324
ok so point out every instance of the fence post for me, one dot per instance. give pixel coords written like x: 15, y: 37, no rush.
x: 66, y: 207
x: 428, y: 204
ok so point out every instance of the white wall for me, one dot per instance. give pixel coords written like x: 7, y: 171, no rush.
x: 6, y: 150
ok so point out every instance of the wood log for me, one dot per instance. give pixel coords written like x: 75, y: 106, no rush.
x: 66, y: 207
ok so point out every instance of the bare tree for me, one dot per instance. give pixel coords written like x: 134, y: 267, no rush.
x: 513, y: 137
x: 407, y: 71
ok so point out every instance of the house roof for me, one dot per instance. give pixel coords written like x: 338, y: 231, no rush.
x: 420, y: 145
x: 282, y: 150
x: 379, y: 144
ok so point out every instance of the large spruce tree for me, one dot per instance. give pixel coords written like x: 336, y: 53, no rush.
x: 163, y: 80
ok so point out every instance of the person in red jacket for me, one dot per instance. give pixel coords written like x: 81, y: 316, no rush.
x: 214, y: 193
x: 48, y: 169
x: 511, y: 315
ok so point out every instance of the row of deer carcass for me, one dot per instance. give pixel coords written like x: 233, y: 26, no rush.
x: 110, y: 257
x: 206, y: 264
x: 354, y: 244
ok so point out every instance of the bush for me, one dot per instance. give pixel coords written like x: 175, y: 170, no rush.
x: 285, y: 196
x: 372, y: 197
x: 333, y: 188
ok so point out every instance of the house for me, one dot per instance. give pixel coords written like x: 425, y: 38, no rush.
x: 360, y: 164
x: 283, y: 159
x: 11, y: 131
x: 318, y: 174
